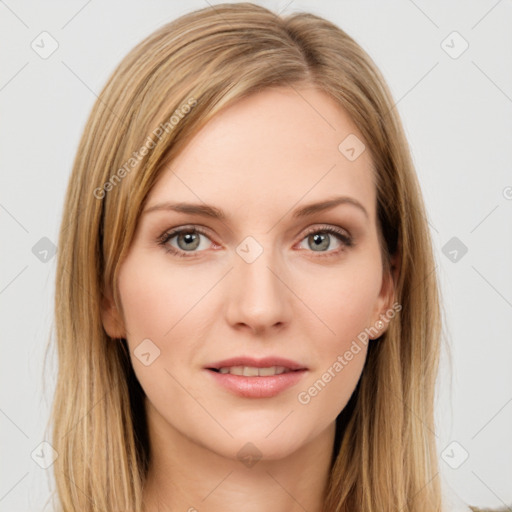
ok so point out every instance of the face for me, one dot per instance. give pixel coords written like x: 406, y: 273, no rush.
x: 250, y: 272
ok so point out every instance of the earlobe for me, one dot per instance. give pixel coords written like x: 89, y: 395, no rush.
x: 111, y: 319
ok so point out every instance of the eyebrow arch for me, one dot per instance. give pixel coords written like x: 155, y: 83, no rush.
x: 216, y: 213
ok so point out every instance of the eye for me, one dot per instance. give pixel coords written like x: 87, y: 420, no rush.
x: 187, y: 239
x: 319, y: 239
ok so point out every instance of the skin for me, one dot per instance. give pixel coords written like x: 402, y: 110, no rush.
x: 259, y: 160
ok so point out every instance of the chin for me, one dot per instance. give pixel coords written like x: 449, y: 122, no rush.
x: 269, y: 444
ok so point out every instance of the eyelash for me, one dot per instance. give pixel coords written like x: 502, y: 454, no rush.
x: 163, y: 239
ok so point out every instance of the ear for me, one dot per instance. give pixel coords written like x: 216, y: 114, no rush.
x: 110, y: 317
x: 386, y: 297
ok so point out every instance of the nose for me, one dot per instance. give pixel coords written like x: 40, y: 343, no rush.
x: 259, y: 299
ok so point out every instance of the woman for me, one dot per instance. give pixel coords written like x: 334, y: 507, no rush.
x: 246, y: 309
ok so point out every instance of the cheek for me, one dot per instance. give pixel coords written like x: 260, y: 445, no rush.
x: 328, y: 390
x: 169, y: 308
x: 158, y: 306
x: 154, y: 301
x: 339, y: 357
x: 344, y: 299
x: 345, y: 302
x: 146, y: 310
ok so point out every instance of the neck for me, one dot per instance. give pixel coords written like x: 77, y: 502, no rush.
x: 186, y: 476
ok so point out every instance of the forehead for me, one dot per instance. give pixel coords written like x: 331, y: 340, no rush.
x: 273, y: 149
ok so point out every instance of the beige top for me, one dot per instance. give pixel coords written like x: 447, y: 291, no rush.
x: 452, y: 502
x: 475, y: 509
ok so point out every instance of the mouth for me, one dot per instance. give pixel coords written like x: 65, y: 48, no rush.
x: 253, y: 378
x: 251, y: 367
x: 253, y: 371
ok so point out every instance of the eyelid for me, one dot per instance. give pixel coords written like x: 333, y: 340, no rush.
x: 326, y: 227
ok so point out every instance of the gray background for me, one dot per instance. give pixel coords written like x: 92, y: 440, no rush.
x: 457, y: 116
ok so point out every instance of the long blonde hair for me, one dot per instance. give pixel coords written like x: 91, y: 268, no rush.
x: 160, y: 95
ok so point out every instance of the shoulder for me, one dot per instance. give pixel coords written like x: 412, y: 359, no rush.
x: 452, y: 502
x: 476, y: 509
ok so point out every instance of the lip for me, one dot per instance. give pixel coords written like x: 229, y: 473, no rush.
x: 258, y: 363
x: 257, y: 387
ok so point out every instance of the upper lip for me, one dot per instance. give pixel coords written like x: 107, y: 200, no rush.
x: 257, y: 363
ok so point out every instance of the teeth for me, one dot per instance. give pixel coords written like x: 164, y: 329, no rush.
x: 251, y: 371
x: 267, y: 371
x: 236, y: 370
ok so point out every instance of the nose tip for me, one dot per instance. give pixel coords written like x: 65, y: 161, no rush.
x: 257, y: 297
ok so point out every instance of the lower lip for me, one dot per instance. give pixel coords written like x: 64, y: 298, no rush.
x: 257, y: 387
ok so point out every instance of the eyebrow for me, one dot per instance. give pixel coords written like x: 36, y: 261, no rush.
x: 206, y: 210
